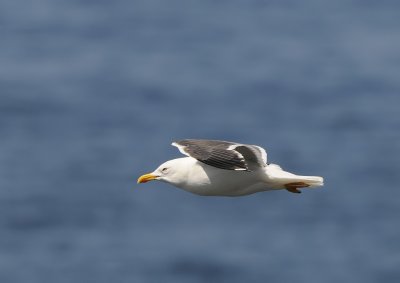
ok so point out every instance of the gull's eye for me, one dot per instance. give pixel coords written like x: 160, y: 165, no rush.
x: 164, y: 170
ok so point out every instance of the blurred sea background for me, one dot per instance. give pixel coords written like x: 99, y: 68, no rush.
x: 92, y: 93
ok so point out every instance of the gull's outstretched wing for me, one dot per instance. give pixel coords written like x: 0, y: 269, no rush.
x: 223, y: 154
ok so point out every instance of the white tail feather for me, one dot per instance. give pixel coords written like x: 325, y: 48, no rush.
x: 313, y: 181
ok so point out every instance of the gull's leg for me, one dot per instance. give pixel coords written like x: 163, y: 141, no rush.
x: 293, y: 187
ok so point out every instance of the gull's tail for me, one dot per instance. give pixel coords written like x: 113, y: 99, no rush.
x: 291, y: 182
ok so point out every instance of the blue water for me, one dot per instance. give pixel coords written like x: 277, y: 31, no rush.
x: 92, y: 93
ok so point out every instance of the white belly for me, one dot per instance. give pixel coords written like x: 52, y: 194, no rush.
x: 211, y: 181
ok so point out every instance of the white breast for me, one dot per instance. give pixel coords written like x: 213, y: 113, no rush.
x: 202, y: 179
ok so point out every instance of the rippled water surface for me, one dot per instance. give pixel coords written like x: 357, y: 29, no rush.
x: 92, y: 93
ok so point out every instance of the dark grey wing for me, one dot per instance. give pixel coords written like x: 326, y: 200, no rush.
x: 213, y: 153
x: 223, y: 154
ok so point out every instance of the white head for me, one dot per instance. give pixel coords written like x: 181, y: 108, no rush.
x: 172, y: 171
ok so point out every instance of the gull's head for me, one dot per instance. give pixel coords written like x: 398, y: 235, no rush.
x: 170, y: 172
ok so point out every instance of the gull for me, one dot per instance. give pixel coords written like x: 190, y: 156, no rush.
x: 223, y: 168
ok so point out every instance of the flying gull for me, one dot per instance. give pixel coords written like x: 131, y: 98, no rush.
x: 222, y: 168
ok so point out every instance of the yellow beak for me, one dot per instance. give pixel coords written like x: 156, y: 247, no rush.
x: 146, y: 177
